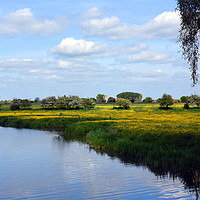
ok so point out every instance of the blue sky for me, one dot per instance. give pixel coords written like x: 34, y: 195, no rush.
x: 83, y: 48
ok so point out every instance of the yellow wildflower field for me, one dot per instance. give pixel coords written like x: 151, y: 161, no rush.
x: 139, y: 118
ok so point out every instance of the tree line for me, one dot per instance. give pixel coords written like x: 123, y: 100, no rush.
x: 50, y: 103
x: 123, y: 101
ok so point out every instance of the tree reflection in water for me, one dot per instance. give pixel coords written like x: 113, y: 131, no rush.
x: 188, y: 171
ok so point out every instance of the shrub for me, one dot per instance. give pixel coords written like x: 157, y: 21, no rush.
x: 48, y: 102
x: 25, y: 104
x: 148, y: 100
x: 15, y: 104
x: 74, y: 102
x: 88, y: 103
x: 111, y: 99
x: 18, y: 104
x: 63, y: 102
x: 123, y: 103
x: 186, y: 106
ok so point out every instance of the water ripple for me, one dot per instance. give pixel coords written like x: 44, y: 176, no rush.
x: 34, y: 165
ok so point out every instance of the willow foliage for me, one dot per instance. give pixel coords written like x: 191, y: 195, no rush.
x: 189, y: 33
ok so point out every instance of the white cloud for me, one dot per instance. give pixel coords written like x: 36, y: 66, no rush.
x: 150, y: 57
x: 152, y: 74
x: 24, y: 22
x: 165, y: 26
x: 92, y: 13
x: 73, y: 47
x: 124, y: 69
x: 108, y: 27
x: 53, y: 77
x: 64, y: 64
x: 34, y: 70
x: 15, y: 67
x: 21, y: 63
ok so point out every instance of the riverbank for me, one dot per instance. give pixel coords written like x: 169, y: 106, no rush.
x: 161, y: 138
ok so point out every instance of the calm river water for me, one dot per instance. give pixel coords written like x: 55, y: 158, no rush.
x: 38, y: 165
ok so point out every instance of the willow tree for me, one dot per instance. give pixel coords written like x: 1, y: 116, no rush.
x: 189, y: 33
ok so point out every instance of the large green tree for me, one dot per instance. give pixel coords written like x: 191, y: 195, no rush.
x: 100, y: 97
x: 189, y: 33
x: 166, y: 101
x: 132, y: 96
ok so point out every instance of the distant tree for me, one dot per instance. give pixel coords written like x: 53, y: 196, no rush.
x: 131, y: 96
x: 100, y: 97
x: 37, y: 99
x: 5, y: 102
x: 189, y: 11
x: 194, y: 100
x: 25, y: 104
x: 48, y: 102
x: 166, y: 100
x: 94, y: 99
x: 148, y: 100
x: 158, y: 100
x: 88, y: 103
x: 111, y: 99
x: 18, y: 104
x: 44, y: 103
x: 184, y: 99
x: 62, y: 102
x: 74, y: 102
x: 15, y: 104
x: 123, y: 103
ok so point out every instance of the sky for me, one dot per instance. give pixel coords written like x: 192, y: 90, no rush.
x: 65, y: 47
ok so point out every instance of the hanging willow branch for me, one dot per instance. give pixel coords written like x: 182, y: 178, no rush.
x: 189, y: 34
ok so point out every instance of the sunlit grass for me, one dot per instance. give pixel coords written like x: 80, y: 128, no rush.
x: 140, y: 118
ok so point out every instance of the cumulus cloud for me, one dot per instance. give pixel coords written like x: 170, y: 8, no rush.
x: 165, y: 26
x: 24, y: 22
x: 73, y: 47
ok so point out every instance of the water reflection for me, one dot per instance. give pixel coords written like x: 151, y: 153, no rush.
x: 37, y: 165
x: 188, y: 171
x: 189, y: 176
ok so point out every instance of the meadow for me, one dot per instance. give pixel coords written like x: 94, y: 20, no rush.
x: 140, y: 118
x: 161, y: 138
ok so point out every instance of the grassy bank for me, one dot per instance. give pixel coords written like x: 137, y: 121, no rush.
x: 161, y: 138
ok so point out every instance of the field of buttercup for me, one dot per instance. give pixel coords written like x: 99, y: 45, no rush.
x: 140, y: 118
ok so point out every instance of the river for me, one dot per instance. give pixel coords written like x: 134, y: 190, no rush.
x: 39, y: 165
